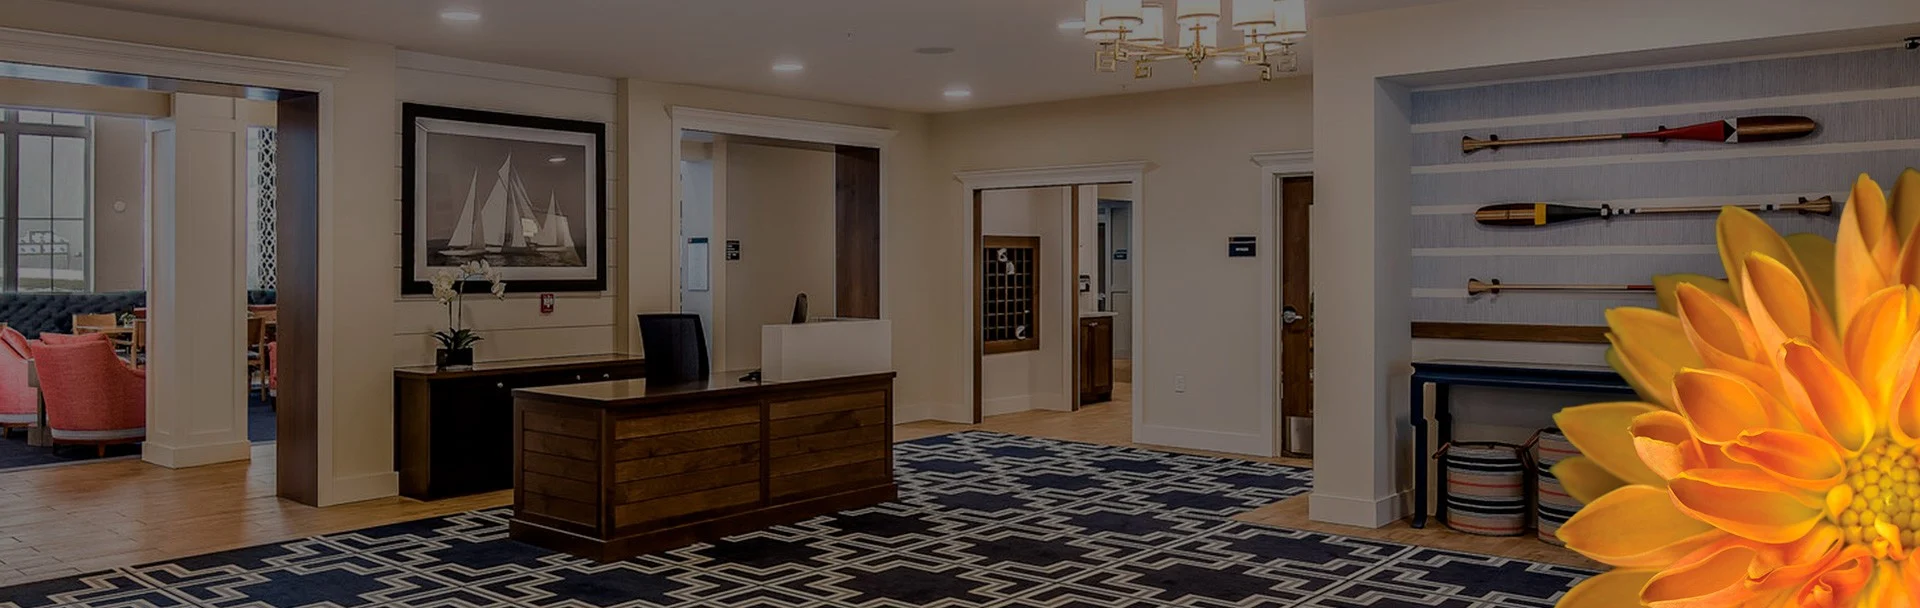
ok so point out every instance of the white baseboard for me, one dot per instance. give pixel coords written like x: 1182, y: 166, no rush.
x: 911, y: 412
x: 1006, y: 405
x: 344, y: 490
x: 1361, y: 512
x: 180, y: 457
x: 1196, y: 439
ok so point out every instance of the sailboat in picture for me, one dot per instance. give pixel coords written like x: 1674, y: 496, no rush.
x: 505, y: 222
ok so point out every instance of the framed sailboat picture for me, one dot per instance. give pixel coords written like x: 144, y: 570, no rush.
x: 525, y: 193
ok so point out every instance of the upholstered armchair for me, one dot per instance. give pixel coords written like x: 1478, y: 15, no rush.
x: 273, y: 369
x: 92, y: 396
x: 19, y: 401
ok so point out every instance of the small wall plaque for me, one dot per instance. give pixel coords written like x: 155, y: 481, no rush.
x: 1241, y: 247
x: 733, y: 250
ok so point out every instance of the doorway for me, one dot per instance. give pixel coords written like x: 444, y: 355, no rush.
x: 1296, y: 316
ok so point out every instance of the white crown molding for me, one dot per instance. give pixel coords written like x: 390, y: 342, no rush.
x: 731, y: 123
x: 1068, y: 175
x: 1287, y: 162
x: 425, y: 62
x: 46, y: 48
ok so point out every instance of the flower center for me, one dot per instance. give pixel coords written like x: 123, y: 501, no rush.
x: 1886, y: 488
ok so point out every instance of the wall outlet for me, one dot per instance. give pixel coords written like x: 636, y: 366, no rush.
x: 1180, y: 383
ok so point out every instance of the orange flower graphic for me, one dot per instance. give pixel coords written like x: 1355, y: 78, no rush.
x: 1772, y: 462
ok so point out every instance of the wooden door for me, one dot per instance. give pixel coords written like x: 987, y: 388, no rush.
x: 1296, y: 297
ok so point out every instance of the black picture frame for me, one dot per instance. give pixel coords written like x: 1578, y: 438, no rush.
x: 415, y: 259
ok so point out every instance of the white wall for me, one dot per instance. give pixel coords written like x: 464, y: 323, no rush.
x: 780, y: 205
x: 581, y: 323
x: 119, y: 243
x: 1201, y: 188
x: 1089, y: 249
x: 1360, y: 258
x: 1034, y: 379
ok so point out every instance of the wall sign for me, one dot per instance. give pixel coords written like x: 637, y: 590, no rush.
x: 1240, y: 247
x: 733, y: 250
x: 1120, y: 255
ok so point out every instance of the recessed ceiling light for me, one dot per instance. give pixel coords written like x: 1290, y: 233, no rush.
x: 1073, y: 24
x: 460, y: 15
x: 556, y: 159
x: 788, y: 67
x: 958, y: 92
x: 934, y: 50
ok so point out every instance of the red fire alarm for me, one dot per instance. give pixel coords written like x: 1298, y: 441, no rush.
x: 546, y: 303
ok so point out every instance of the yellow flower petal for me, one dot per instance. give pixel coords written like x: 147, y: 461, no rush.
x: 1788, y: 566
x: 1888, y: 589
x: 1904, y: 421
x: 1666, y: 286
x: 1877, y: 342
x: 1612, y: 589
x: 1839, y: 583
x: 1816, y: 257
x: 1720, y: 332
x: 1665, y: 444
x: 1652, y: 346
x: 1906, y: 204
x: 1782, y: 309
x: 1716, y: 577
x: 1797, y: 459
x: 1741, y: 234
x: 1749, y: 504
x: 1721, y: 405
x: 1584, y: 480
x: 1865, y: 254
x: 1603, y: 432
x: 1636, y: 527
x: 1826, y: 400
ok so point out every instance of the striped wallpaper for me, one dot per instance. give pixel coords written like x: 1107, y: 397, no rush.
x: 1867, y: 102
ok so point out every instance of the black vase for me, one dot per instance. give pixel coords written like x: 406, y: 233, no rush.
x: 455, y: 357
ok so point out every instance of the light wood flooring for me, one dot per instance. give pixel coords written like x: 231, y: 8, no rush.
x: 74, y: 519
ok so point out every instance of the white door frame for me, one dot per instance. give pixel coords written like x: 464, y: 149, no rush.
x: 771, y: 127
x: 1132, y: 173
x: 1274, y: 166
x: 95, y: 54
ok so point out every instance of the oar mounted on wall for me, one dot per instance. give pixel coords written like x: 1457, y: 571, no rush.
x: 1476, y: 287
x: 1741, y: 130
x: 1542, y: 214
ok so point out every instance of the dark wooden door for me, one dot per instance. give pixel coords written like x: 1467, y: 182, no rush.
x: 1296, y: 297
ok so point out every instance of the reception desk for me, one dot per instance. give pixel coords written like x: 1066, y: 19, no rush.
x: 609, y: 470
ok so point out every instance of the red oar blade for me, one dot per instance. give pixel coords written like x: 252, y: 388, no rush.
x: 1745, y: 129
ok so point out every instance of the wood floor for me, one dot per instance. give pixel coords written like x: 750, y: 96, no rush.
x: 74, y: 519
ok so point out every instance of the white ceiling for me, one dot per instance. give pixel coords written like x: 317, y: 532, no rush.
x: 855, y: 51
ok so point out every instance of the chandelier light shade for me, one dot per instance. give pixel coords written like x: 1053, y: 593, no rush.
x: 1254, y: 17
x: 1153, y: 26
x: 1199, y: 13
x: 1128, y: 31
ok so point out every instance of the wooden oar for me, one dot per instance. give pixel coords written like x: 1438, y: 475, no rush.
x: 1745, y: 129
x: 1476, y: 287
x: 1542, y: 214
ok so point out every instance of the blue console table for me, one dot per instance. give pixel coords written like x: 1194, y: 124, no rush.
x: 1445, y: 373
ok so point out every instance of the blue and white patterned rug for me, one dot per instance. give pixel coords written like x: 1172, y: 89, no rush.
x: 984, y: 520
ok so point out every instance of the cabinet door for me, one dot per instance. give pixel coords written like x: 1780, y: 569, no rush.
x: 1102, y: 355
x: 1088, y: 363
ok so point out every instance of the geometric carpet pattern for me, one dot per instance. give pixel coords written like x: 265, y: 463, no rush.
x: 983, y: 520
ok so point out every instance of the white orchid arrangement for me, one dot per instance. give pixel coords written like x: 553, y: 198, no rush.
x: 449, y: 287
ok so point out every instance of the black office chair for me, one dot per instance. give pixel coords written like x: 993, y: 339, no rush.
x: 676, y: 348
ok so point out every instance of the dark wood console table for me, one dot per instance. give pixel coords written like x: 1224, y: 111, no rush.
x: 1445, y: 373
x: 453, y: 428
x: 610, y: 470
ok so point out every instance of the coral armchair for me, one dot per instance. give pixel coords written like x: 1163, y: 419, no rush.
x: 92, y: 396
x: 19, y: 401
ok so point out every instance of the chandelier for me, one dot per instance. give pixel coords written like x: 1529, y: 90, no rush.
x: 1131, y: 32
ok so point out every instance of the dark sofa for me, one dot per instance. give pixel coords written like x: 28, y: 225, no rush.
x: 31, y: 313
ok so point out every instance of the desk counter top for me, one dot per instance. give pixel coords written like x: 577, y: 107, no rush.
x: 515, y: 366
x: 626, y: 393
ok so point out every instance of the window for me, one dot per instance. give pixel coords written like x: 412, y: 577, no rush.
x: 46, y: 192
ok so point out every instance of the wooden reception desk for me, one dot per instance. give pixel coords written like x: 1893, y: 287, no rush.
x: 609, y: 470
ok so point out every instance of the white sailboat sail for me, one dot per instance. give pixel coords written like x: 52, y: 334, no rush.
x: 463, y: 230
x: 526, y: 223
x: 555, y: 232
x: 493, y: 214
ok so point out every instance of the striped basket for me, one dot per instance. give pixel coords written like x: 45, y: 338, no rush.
x: 1486, y: 488
x: 1553, y: 507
